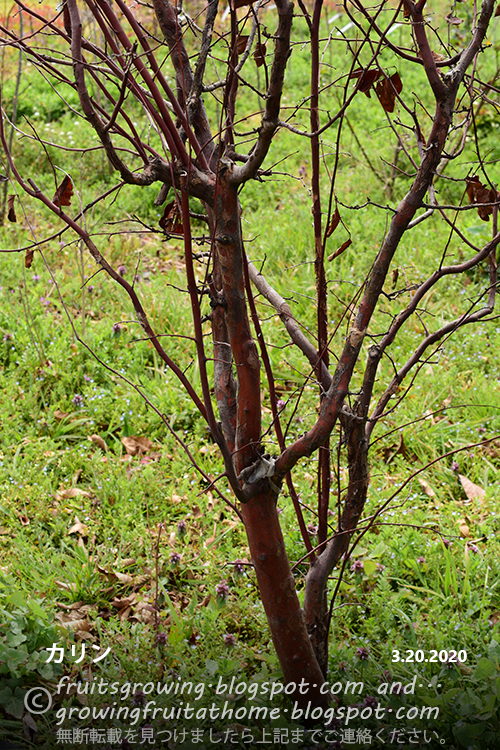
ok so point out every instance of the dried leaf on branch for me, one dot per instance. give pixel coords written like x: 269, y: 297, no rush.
x: 341, y: 249
x: 259, y: 54
x: 11, y: 215
x: 387, y: 91
x: 28, y: 258
x: 478, y: 193
x: 64, y: 193
x: 367, y: 78
x: 241, y: 44
x: 171, y: 220
x: 334, y: 222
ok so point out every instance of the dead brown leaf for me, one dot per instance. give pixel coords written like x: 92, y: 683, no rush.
x: 136, y: 446
x: 99, y: 441
x: 478, y: 193
x: 259, y: 54
x: 241, y: 44
x: 341, y: 249
x: 72, y: 492
x: 28, y: 260
x: 171, y: 220
x: 464, y: 529
x: 334, y: 222
x: 426, y: 487
x: 387, y: 91
x: 11, y: 215
x: 367, y: 78
x: 473, y: 491
x: 78, y: 528
x: 64, y: 193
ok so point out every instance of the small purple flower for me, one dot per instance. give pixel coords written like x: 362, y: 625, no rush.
x: 222, y: 590
x: 363, y: 653
x: 380, y: 568
x: 161, y: 639
x: 446, y: 542
x: 175, y: 558
x: 116, y: 329
x: 385, y: 676
x: 77, y: 400
x: 369, y: 701
x: 181, y: 528
x: 302, y: 170
x: 229, y: 639
x: 239, y: 566
x: 420, y: 560
x: 312, y: 529
x: 454, y: 465
x: 86, y: 378
x: 138, y: 698
x: 357, y: 567
x: 473, y: 548
x: 122, y: 270
x: 36, y: 277
x: 342, y: 666
x: 280, y: 403
x: 7, y: 337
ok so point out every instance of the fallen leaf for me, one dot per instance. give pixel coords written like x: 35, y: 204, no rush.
x: 140, y: 581
x: 60, y: 415
x: 135, y: 445
x: 64, y: 193
x: 4, y: 531
x: 25, y: 521
x: 473, y: 491
x: 65, y: 586
x: 78, y: 528
x: 11, y: 209
x: 72, y: 492
x: 127, y: 601
x: 76, y: 625
x: 99, y: 441
x: 426, y: 487
x: 464, y: 529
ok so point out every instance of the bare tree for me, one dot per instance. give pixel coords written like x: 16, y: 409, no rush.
x: 195, y: 148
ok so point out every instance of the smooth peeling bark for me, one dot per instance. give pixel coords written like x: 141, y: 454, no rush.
x: 277, y: 590
x: 229, y: 247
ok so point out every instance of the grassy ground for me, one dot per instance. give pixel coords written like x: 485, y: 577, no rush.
x: 116, y: 539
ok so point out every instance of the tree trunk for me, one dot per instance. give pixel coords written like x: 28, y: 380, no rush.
x: 277, y: 589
